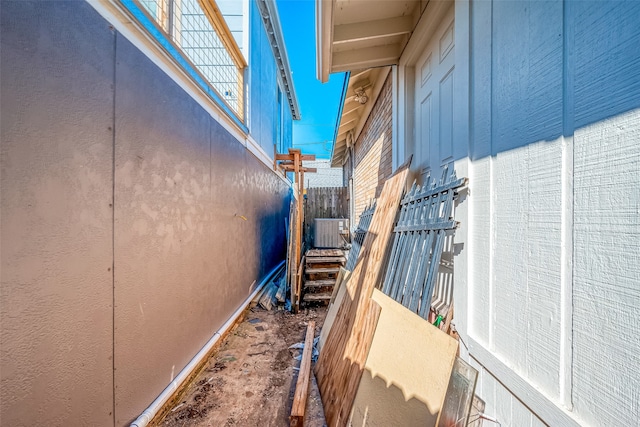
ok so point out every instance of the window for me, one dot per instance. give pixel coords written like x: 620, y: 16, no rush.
x: 199, y: 31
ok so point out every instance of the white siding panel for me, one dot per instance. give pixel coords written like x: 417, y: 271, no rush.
x: 543, y: 260
x: 489, y: 390
x: 503, y: 405
x: 536, y: 422
x: 607, y: 271
x: 520, y: 415
x: 480, y: 248
x: 510, y: 267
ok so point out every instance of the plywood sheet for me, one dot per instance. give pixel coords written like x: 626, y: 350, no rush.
x: 407, y: 370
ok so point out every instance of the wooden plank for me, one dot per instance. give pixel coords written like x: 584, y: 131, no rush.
x: 324, y: 252
x: 293, y: 267
x: 322, y: 270
x: 288, y: 167
x: 325, y: 260
x: 299, y: 282
x: 303, y: 157
x: 343, y: 276
x: 320, y: 296
x: 342, y: 358
x: 319, y: 283
x: 302, y: 385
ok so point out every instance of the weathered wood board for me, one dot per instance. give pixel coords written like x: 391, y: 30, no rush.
x: 302, y: 384
x: 344, y: 353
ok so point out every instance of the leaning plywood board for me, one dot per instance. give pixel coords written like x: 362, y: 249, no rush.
x: 344, y: 353
x: 407, y: 370
x: 337, y: 296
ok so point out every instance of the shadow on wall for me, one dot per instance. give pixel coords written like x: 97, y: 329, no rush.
x: 387, y: 405
x: 271, y: 233
x: 538, y: 74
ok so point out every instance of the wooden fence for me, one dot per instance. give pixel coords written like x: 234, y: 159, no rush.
x: 324, y: 202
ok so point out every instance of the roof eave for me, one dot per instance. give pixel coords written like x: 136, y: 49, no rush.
x: 324, y: 34
x: 271, y: 21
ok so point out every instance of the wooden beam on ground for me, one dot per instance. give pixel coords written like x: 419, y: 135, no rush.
x: 302, y: 386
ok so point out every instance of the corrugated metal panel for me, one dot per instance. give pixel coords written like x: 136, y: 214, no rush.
x: 329, y: 232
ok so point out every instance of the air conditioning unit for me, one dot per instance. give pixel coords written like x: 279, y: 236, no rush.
x: 330, y: 232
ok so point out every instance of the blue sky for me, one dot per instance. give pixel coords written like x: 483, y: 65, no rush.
x: 319, y: 103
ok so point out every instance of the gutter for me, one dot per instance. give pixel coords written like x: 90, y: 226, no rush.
x: 199, y: 358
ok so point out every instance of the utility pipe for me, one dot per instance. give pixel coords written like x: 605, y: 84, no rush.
x: 166, y: 394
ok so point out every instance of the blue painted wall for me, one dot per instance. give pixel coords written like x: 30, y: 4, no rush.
x: 263, y: 88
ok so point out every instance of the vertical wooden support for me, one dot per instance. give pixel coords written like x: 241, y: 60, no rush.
x: 292, y: 162
x: 302, y: 385
x: 298, y: 181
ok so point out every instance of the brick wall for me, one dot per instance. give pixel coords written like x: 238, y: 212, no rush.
x: 373, y: 152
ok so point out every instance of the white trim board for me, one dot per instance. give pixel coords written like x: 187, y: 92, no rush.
x: 257, y: 150
x: 520, y: 388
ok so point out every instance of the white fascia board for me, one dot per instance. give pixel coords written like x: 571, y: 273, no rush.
x: 324, y: 34
x: 425, y: 27
x: 271, y: 21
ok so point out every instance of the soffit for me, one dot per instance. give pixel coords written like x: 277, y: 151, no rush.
x: 362, y: 91
x: 357, y: 34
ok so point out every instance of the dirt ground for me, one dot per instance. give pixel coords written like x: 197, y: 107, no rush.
x: 250, y: 380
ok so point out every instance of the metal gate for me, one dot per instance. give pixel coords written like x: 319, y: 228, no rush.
x: 419, y: 237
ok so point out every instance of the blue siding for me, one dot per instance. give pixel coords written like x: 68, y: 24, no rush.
x: 263, y: 88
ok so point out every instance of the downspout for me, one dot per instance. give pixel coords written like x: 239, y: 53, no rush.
x: 166, y: 394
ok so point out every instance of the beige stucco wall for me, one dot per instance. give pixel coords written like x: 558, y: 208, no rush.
x: 56, y: 293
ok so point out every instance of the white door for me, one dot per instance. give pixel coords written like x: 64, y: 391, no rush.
x: 434, y: 80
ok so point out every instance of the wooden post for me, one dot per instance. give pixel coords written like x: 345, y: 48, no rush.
x: 296, y: 173
x: 302, y: 385
x: 292, y: 162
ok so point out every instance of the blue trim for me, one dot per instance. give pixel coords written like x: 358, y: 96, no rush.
x: 177, y: 55
x: 345, y: 86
